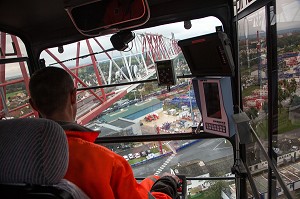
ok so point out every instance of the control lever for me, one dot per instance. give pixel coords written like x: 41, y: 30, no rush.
x: 182, y: 187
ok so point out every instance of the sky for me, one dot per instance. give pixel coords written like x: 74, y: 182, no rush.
x: 199, y: 27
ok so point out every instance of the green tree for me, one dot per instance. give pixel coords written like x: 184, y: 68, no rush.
x: 295, y: 101
x: 130, y: 95
x: 292, y: 86
x: 283, y: 92
x: 147, y: 88
x: 215, y: 189
x: 252, y: 113
x: 265, y: 107
x: 286, y: 90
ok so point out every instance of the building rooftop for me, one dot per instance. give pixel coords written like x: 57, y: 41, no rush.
x: 192, y: 168
x: 108, y: 130
x: 222, y: 165
x: 121, y: 123
x: 123, y: 113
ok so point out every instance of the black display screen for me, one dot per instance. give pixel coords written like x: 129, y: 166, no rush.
x: 165, y: 73
x: 212, y: 99
x: 205, y: 55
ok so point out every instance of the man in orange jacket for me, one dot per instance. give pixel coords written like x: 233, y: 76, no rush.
x: 99, y: 172
x: 102, y: 173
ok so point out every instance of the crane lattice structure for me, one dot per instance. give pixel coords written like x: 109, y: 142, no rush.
x: 112, y: 67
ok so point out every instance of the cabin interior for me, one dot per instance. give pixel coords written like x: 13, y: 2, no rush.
x: 208, y: 90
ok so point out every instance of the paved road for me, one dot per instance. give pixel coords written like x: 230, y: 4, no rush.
x: 205, y: 150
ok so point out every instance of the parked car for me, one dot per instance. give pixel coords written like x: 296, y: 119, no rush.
x: 130, y: 156
x: 150, y: 155
x: 125, y: 157
x: 143, y: 153
x: 125, y: 147
x: 137, y: 155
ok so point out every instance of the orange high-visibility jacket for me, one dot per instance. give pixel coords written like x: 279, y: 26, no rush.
x: 103, y: 174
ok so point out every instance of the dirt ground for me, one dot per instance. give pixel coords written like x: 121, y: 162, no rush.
x: 162, y: 119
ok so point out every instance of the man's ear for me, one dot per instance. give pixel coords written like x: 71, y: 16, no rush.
x: 33, y: 105
x: 73, y: 96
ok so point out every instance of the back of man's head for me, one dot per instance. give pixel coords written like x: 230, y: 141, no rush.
x: 50, y: 88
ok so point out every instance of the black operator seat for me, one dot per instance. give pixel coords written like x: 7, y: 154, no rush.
x: 33, y: 161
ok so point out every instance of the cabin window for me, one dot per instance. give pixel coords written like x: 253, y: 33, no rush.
x: 254, y: 77
x: 288, y: 50
x: 145, y: 104
x: 146, y: 108
x: 14, y: 77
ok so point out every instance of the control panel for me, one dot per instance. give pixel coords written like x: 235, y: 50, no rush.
x: 216, y: 127
x: 182, y: 187
x: 214, y: 99
x: 165, y: 71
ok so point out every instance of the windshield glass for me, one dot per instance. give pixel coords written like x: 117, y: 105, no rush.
x: 144, y: 108
x: 140, y: 103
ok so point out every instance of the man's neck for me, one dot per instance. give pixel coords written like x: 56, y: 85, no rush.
x: 60, y: 117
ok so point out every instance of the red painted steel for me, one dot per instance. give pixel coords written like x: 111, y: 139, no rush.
x: 93, y: 58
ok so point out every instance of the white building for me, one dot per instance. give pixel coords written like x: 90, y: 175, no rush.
x: 194, y: 168
x: 229, y: 193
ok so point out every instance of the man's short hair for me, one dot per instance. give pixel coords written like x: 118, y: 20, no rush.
x: 49, y: 89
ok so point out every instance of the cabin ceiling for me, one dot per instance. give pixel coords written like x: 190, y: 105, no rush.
x: 45, y: 23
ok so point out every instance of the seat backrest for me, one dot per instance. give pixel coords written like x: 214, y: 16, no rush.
x: 34, y: 160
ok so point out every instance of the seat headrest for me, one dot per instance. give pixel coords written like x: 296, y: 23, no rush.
x: 32, y: 151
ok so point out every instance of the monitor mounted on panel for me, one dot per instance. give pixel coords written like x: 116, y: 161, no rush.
x: 208, y: 55
x: 214, y: 100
